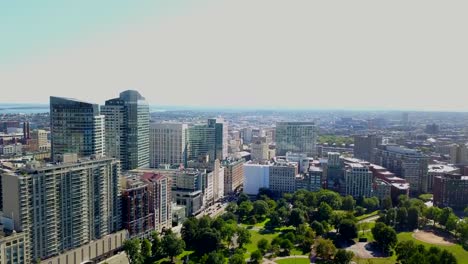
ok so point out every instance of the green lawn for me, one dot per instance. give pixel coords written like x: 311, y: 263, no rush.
x: 366, y: 227
x: 293, y: 261
x: 255, y: 237
x: 259, y: 225
x: 457, y: 250
x: 364, y: 216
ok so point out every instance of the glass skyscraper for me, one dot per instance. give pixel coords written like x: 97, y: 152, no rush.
x: 127, y: 129
x: 76, y: 127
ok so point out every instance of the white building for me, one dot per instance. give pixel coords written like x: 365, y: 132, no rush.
x: 12, y: 149
x: 358, y: 180
x: 256, y: 176
x: 168, y: 143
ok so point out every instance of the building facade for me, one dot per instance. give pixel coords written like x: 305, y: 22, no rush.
x: 168, y: 144
x: 358, y: 180
x: 364, y: 146
x: 137, y: 216
x: 233, y: 175
x: 63, y: 206
x: 127, y: 129
x: 451, y: 190
x: 221, y: 137
x: 159, y: 187
x: 283, y: 177
x: 75, y: 127
x: 297, y: 137
x: 409, y: 164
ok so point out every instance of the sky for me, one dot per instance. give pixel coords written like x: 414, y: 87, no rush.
x: 238, y: 53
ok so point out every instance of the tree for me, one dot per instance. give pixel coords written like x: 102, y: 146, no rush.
x: 413, y: 217
x: 325, y: 249
x: 371, y: 204
x: 343, y: 256
x: 444, y: 216
x: 265, y: 192
x: 275, y: 221
x: 384, y: 236
x: 132, y: 248
x: 402, y: 216
x: 387, y: 203
x: 242, y: 198
x: 156, y: 250
x: 237, y: 259
x: 297, y: 217
x: 390, y: 217
x: 244, y: 209
x: 348, y: 203
x: 347, y: 229
x: 208, y: 241
x: 243, y: 236
x: 433, y: 213
x: 324, y: 212
x: 462, y: 230
x: 451, y: 223
x: 232, y: 207
x: 263, y: 245
x: 286, y: 245
x: 318, y: 228
x: 214, y: 258
x: 404, y: 250
x: 256, y: 257
x: 189, y: 232
x: 172, y: 245
x: 331, y: 198
x: 260, y: 208
x: 146, y: 249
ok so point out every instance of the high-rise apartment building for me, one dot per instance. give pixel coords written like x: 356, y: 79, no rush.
x: 364, y: 146
x: 127, y: 129
x: 14, y: 248
x: 451, y: 190
x: 168, y: 144
x: 137, y: 216
x: 159, y: 187
x: 63, y: 206
x: 459, y: 154
x: 297, y: 137
x: 358, y: 179
x: 435, y: 170
x: 76, y: 127
x: 409, y: 164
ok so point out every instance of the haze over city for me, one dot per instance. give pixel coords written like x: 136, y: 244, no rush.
x: 255, y: 54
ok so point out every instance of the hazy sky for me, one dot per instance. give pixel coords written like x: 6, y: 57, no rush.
x: 238, y: 53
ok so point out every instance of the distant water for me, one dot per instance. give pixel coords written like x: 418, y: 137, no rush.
x: 23, y: 108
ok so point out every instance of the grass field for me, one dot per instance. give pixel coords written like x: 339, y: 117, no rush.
x: 293, y: 261
x: 366, y: 227
x: 364, y: 216
x: 255, y: 237
x: 457, y: 250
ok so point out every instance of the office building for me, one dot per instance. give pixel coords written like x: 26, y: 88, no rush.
x: 358, y: 180
x: 256, y: 176
x: 75, y: 127
x: 297, y: 137
x: 202, y: 143
x: 283, y: 176
x: 381, y: 189
x: 259, y: 150
x: 65, y: 205
x: 233, y: 175
x: 221, y: 137
x: 39, y: 140
x: 409, y: 164
x: 364, y: 146
x: 168, y: 144
x: 451, y: 190
x: 127, y: 129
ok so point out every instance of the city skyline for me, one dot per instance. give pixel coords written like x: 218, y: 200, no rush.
x: 178, y: 53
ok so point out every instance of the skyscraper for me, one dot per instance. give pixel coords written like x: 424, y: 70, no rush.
x: 127, y: 129
x: 221, y: 137
x: 202, y: 142
x: 168, y: 144
x: 76, y: 127
x: 298, y: 137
